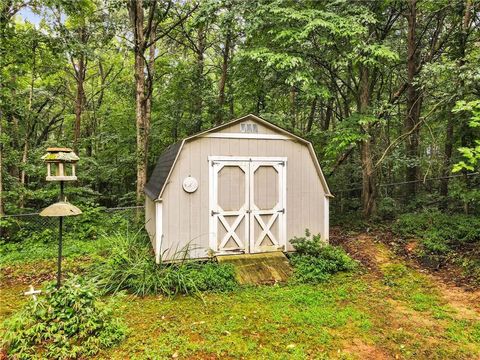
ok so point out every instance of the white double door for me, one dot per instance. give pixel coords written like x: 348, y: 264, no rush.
x: 247, y: 204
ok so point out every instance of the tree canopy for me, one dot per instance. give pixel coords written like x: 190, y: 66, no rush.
x: 387, y: 91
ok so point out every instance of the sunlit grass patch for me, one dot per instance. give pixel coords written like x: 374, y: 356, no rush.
x: 464, y: 331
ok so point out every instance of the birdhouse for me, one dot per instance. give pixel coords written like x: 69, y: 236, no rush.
x: 61, y: 164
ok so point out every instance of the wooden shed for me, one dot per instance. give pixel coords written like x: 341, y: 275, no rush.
x: 246, y: 186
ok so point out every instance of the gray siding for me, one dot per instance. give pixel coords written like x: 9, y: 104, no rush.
x: 186, y: 216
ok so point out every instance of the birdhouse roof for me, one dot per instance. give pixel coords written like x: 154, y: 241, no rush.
x: 60, y: 154
x: 61, y: 208
x: 59, y: 149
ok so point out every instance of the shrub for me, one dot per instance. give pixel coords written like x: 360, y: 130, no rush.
x: 65, y: 323
x: 439, y: 232
x: 308, y: 245
x: 130, y: 266
x: 315, y: 261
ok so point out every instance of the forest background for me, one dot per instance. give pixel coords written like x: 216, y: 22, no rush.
x: 387, y: 91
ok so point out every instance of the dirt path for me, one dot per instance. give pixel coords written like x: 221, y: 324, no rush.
x: 374, y: 254
x: 451, y: 301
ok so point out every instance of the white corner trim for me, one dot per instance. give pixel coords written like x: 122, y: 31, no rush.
x: 158, y: 230
x: 326, y: 219
x: 247, y: 136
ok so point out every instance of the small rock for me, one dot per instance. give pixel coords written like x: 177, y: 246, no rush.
x: 175, y: 355
x: 291, y: 346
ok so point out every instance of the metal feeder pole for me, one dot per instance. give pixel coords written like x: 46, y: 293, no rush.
x: 60, y: 157
x: 60, y: 235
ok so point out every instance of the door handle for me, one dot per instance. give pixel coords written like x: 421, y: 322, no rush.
x: 215, y: 213
x: 281, y: 211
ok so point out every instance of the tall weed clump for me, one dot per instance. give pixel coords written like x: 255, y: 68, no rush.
x: 315, y: 261
x: 66, y: 323
x: 130, y: 265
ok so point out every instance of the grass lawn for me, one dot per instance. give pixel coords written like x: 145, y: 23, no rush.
x: 398, y: 313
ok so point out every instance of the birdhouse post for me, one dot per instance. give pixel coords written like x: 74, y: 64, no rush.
x: 61, y: 164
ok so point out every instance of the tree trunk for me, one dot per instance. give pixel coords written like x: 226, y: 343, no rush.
x: 414, y: 104
x: 311, y: 115
x: 328, y: 115
x: 369, y: 188
x: 293, y: 108
x: 466, y: 140
x: 149, y: 95
x: 449, y: 134
x: 198, y: 99
x: 448, y: 156
x: 79, y: 99
x: 23, y: 174
x: 223, y: 80
x: 136, y: 18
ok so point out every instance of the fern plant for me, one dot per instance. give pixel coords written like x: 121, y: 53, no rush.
x: 66, y: 323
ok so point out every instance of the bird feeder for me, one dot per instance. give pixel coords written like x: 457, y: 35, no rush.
x: 60, y: 167
x: 61, y: 164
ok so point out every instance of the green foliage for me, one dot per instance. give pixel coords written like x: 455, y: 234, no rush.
x: 387, y: 208
x: 443, y: 237
x: 33, y: 238
x: 67, y: 323
x: 441, y: 228
x: 470, y: 154
x: 130, y: 266
x: 88, y: 226
x: 36, y: 249
x: 314, y: 261
x: 470, y: 266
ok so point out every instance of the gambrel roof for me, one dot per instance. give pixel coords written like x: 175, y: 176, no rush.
x: 162, y: 169
x: 166, y: 161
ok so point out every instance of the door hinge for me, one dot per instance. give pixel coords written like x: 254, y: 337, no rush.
x: 215, y: 213
x: 282, y: 163
x: 281, y: 211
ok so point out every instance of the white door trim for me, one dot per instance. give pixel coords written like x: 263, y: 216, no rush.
x: 215, y: 164
x: 277, y: 213
x: 217, y: 214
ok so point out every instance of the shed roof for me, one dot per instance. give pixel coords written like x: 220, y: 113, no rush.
x: 162, y: 169
x: 166, y: 161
